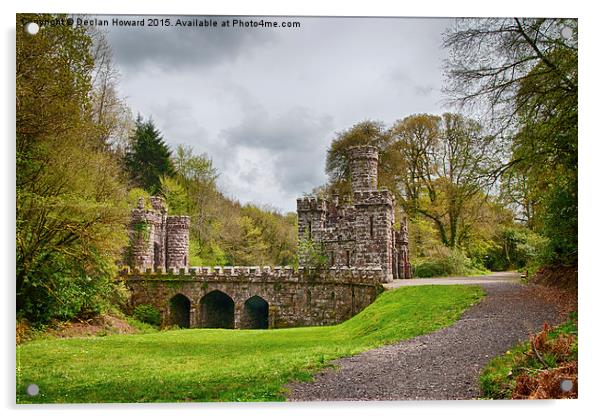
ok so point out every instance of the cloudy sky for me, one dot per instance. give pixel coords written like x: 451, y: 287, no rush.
x: 264, y: 104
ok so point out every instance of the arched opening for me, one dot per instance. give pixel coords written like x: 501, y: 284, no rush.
x: 255, y: 314
x: 217, y: 310
x: 179, y: 311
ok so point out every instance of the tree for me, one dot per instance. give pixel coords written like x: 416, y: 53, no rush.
x: 490, y: 60
x: 524, y: 72
x: 442, y: 170
x: 337, y: 163
x: 70, y: 216
x: 149, y: 157
x: 415, y: 139
x: 110, y: 113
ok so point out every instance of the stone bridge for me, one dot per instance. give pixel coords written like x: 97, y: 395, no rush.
x: 253, y: 297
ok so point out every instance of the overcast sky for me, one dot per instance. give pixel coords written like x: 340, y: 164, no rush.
x: 264, y: 104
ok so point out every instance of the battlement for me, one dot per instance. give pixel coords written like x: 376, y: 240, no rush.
x: 146, y: 215
x: 178, y: 221
x: 365, y: 152
x: 374, y: 197
x: 367, y: 275
x: 312, y: 204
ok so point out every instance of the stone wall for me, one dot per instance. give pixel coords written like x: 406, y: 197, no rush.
x: 293, y: 298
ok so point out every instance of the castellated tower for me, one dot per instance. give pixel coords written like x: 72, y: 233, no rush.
x: 360, y: 234
x: 158, y: 241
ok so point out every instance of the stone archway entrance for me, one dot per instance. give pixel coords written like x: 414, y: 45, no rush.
x: 217, y: 310
x: 255, y: 314
x: 179, y: 311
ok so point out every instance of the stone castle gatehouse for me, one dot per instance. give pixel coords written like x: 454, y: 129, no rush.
x: 360, y: 233
x: 359, y: 239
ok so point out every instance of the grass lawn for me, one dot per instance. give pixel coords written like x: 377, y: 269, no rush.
x: 225, y: 365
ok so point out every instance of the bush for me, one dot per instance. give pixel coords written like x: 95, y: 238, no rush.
x: 312, y: 253
x: 62, y: 292
x: 517, y: 248
x: 429, y: 268
x: 148, y: 314
x: 521, y: 374
x: 447, y: 263
x: 141, y: 327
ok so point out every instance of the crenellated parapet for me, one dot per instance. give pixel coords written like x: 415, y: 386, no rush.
x: 312, y: 204
x: 356, y: 275
x: 374, y: 197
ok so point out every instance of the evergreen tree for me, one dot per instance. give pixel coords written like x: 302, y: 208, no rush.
x: 149, y: 158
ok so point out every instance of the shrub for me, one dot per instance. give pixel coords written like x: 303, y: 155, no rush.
x: 517, y: 248
x: 141, y: 327
x: 313, y: 255
x: 429, y: 268
x: 70, y: 292
x: 447, y: 263
x: 148, y: 314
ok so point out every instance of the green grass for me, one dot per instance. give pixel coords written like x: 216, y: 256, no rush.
x: 225, y: 365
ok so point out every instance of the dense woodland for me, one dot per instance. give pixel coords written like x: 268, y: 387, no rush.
x: 491, y: 185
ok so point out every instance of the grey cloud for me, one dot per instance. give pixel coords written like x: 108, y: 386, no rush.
x: 301, y: 173
x: 423, y: 90
x: 404, y: 82
x: 295, y: 141
x: 265, y: 104
x: 173, y: 47
x: 297, y: 129
x: 176, y: 120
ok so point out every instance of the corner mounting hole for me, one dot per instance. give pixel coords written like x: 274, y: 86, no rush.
x: 33, y: 389
x: 566, y: 385
x: 566, y: 32
x: 32, y: 28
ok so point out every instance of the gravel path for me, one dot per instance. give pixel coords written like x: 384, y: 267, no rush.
x: 441, y: 365
x: 499, y: 277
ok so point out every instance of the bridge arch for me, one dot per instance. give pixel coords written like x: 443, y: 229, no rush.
x: 255, y: 313
x: 179, y: 311
x: 217, y: 310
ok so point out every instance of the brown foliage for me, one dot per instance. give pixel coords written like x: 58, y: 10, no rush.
x: 547, y: 384
x: 563, y: 277
x: 22, y: 331
x: 565, y: 299
x: 100, y: 325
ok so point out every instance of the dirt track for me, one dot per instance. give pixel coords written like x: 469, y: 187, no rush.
x: 441, y: 365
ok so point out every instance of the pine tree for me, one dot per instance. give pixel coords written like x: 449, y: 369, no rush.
x: 149, y: 157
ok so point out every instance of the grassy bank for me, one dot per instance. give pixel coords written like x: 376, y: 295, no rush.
x: 225, y: 365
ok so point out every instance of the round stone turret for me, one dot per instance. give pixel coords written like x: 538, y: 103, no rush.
x: 177, y: 241
x: 363, y: 164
